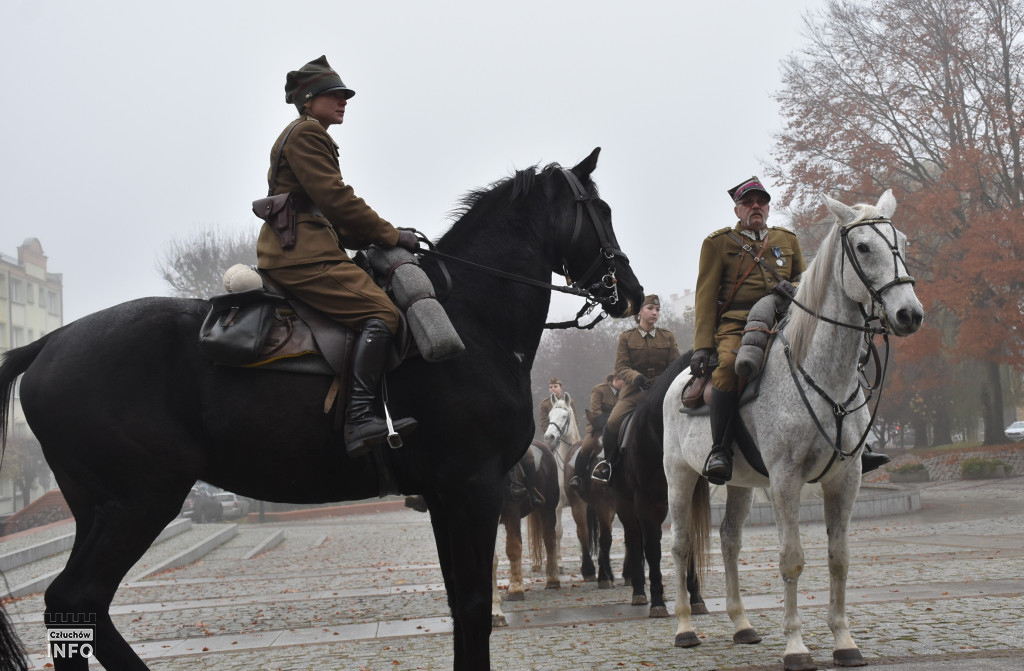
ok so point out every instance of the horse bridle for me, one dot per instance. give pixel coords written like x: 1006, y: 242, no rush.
x: 841, y: 410
x: 604, y: 289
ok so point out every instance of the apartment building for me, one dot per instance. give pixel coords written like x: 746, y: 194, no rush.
x: 31, y: 305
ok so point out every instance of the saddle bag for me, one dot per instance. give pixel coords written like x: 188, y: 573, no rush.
x: 694, y: 392
x: 237, y: 325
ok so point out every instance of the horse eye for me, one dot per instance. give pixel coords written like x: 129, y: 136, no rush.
x: 862, y: 248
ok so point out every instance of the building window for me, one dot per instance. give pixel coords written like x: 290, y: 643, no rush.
x: 30, y: 293
x: 3, y: 335
x: 3, y: 285
x: 52, y: 304
x: 16, y: 291
x: 17, y: 336
x: 42, y: 296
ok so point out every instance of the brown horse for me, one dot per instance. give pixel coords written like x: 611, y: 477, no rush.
x: 593, y: 510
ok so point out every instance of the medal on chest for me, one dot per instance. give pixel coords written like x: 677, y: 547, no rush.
x: 779, y: 261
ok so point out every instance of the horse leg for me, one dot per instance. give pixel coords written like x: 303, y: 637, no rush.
x: 497, y: 615
x: 514, y: 552
x: 633, y: 568
x: 581, y: 513
x: 465, y: 530
x: 114, y: 538
x: 737, y: 508
x: 654, y: 513
x: 785, y: 492
x: 681, y: 482
x: 606, y: 517
x: 838, y: 502
x: 697, y: 605
x: 545, y: 518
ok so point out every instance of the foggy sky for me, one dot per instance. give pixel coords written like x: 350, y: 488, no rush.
x: 126, y: 124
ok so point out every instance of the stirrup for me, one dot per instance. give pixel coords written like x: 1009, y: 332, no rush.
x: 575, y: 483
x: 602, y: 472
x: 397, y: 429
x: 718, y: 478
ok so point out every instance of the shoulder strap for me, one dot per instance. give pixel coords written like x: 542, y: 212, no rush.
x: 277, y: 156
x: 758, y: 258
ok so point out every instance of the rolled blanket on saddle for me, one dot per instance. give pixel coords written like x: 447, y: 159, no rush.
x: 760, y: 321
x: 413, y: 293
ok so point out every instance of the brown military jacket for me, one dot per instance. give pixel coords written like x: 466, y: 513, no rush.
x: 723, y: 262
x: 648, y: 356
x: 309, y: 167
x: 602, y: 400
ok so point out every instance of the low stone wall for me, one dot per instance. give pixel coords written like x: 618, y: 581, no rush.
x: 946, y: 466
x: 48, y: 508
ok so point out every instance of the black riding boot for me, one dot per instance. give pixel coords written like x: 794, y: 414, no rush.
x: 718, y: 467
x: 363, y: 428
x: 603, y: 469
x: 870, y: 460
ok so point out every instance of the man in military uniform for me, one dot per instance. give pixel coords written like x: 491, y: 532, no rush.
x: 555, y: 393
x: 733, y: 275
x: 602, y: 400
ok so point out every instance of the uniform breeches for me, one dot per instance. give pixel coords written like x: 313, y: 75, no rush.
x: 627, y: 401
x: 341, y: 290
x: 728, y: 339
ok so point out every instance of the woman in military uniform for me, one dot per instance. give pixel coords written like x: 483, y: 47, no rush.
x: 642, y: 354
x: 330, y: 219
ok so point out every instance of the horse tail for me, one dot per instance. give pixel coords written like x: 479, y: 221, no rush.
x: 15, y: 362
x: 593, y: 530
x: 12, y: 655
x: 700, y: 528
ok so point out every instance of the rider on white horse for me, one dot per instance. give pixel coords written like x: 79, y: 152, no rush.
x: 739, y: 266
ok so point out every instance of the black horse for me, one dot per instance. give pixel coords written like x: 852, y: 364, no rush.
x: 641, y: 499
x: 130, y: 413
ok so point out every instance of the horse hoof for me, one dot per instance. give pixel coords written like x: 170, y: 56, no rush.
x: 553, y: 584
x: 515, y: 596
x: 799, y: 662
x: 589, y: 578
x: 848, y: 657
x: 605, y: 584
x: 639, y: 600
x: 687, y: 639
x: 658, y: 611
x: 748, y: 636
x: 498, y: 621
x: 698, y: 609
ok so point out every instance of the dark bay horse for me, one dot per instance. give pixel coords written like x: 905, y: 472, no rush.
x: 593, y: 511
x: 642, y: 497
x: 130, y: 413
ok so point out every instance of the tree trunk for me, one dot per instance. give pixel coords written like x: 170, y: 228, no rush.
x: 941, y: 431
x: 992, y: 405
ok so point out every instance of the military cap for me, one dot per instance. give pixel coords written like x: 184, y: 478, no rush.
x: 652, y: 299
x: 555, y: 380
x: 746, y: 186
x: 312, y: 79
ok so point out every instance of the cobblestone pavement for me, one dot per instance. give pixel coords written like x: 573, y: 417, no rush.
x: 941, y: 588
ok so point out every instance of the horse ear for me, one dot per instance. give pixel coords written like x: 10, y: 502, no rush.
x: 887, y: 204
x: 587, y: 165
x: 844, y: 213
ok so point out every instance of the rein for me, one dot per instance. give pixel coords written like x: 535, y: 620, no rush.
x: 605, y: 288
x: 841, y: 410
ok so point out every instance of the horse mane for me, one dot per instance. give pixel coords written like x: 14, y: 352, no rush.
x: 814, y: 284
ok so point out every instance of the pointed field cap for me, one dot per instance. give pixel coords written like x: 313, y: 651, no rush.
x: 312, y: 79
x: 746, y: 186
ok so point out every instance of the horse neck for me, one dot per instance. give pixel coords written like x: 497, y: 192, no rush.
x: 513, y: 242
x: 833, y: 351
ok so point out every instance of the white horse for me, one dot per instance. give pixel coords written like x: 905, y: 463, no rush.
x: 809, y: 422
x: 561, y: 434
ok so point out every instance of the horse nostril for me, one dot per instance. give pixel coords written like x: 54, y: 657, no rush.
x: 910, y: 319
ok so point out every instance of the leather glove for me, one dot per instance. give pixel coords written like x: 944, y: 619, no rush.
x: 785, y: 289
x: 699, y: 362
x: 407, y: 240
x: 642, y: 383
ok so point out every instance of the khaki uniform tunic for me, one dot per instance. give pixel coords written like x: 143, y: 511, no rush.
x: 639, y: 355
x: 317, y: 269
x: 723, y: 263
x: 602, y: 401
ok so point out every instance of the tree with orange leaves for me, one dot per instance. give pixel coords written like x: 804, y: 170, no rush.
x: 926, y: 97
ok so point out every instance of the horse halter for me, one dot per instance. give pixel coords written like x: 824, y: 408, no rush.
x: 897, y: 259
x: 607, y: 286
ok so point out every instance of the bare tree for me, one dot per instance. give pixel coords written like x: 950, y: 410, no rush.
x: 24, y: 464
x: 926, y: 96
x: 194, y: 266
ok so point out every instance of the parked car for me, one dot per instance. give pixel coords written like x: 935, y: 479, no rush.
x: 232, y: 505
x: 1015, y: 431
x: 201, y: 506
